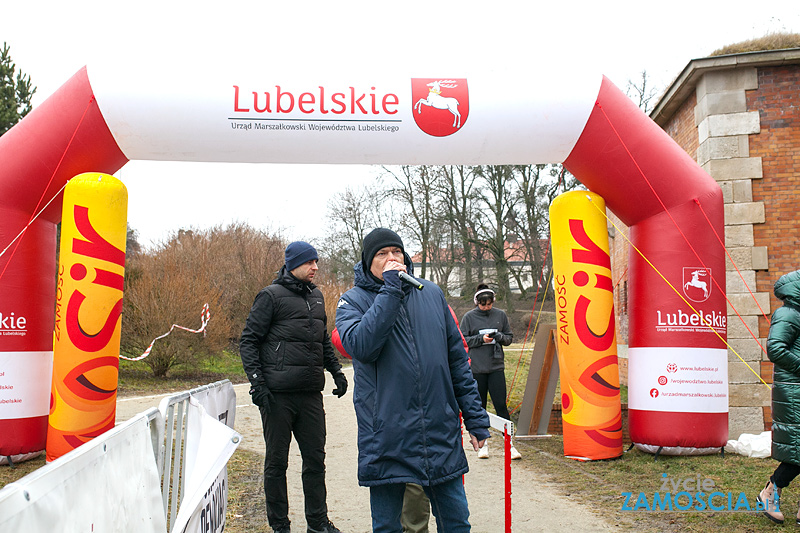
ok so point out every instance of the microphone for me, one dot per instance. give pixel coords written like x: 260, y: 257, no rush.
x: 405, y: 278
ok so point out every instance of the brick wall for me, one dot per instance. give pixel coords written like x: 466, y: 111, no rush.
x: 623, y: 370
x: 619, y: 248
x: 681, y: 126
x: 777, y: 100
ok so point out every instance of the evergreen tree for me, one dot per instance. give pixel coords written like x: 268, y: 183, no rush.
x: 15, y: 91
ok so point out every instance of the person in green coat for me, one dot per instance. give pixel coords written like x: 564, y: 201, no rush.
x: 783, y: 349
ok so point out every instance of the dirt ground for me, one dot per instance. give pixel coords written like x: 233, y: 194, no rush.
x: 536, y: 504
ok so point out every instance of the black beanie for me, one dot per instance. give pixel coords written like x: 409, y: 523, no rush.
x: 298, y: 253
x: 377, y: 239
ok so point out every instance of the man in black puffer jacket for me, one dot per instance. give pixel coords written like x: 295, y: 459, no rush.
x: 284, y: 348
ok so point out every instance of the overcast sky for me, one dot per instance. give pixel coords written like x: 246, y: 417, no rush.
x: 51, y: 40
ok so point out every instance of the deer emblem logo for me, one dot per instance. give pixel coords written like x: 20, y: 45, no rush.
x: 435, y: 99
x: 696, y: 283
x: 441, y: 105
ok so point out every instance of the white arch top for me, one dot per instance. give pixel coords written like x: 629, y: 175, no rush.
x: 513, y: 118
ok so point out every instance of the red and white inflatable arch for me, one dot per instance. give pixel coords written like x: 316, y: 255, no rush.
x: 101, y: 119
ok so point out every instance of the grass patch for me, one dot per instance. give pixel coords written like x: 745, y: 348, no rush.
x: 9, y: 474
x: 601, y: 484
x: 136, y: 378
x: 771, y: 41
x: 246, y: 511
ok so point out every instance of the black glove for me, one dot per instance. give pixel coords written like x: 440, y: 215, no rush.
x: 261, y: 396
x: 341, y: 384
x: 391, y: 278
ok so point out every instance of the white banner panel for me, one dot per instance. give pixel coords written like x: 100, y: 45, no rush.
x: 258, y: 116
x: 110, y: 484
x: 690, y: 380
x: 209, y: 445
x: 219, y: 402
x: 25, y: 381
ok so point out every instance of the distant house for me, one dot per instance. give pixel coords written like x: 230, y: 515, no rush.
x: 483, y: 269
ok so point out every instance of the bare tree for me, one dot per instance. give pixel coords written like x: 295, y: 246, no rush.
x: 641, y: 91
x: 537, y: 186
x: 351, y: 215
x: 132, y: 245
x: 458, y: 192
x: 170, y: 287
x: 529, y: 221
x: 414, y: 189
x: 243, y: 261
x: 498, y: 197
x: 443, y: 249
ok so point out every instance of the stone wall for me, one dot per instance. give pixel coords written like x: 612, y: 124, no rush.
x: 745, y: 122
x: 725, y: 126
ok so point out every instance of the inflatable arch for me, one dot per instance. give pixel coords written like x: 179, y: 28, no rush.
x: 100, y: 119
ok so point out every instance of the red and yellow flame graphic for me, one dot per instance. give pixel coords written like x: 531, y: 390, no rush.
x: 587, y: 347
x: 88, y: 310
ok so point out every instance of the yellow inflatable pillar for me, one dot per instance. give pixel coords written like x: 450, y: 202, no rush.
x: 587, y: 346
x: 88, y: 312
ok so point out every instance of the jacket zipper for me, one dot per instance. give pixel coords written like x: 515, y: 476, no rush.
x: 407, y: 320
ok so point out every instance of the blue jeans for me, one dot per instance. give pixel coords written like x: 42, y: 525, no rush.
x: 448, y: 503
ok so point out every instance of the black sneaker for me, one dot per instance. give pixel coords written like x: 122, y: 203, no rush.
x: 327, y: 527
x: 283, y: 529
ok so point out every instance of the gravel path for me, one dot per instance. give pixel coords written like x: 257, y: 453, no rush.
x: 536, y: 505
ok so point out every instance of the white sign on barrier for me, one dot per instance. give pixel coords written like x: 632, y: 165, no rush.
x: 113, y: 484
x: 199, y: 441
x: 500, y: 424
x: 210, y: 444
x: 109, y: 484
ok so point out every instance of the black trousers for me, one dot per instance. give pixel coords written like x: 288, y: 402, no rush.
x: 495, y: 384
x: 784, y: 474
x: 303, y: 415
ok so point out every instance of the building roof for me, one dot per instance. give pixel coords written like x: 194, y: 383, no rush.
x: 687, y: 80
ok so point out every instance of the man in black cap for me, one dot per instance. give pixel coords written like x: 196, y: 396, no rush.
x: 284, y: 348
x: 412, y: 378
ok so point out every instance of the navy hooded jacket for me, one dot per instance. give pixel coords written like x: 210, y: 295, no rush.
x: 412, y: 378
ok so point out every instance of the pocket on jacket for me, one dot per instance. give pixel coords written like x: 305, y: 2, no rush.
x: 280, y: 354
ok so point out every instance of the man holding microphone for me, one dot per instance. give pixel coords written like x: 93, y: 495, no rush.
x: 412, y: 378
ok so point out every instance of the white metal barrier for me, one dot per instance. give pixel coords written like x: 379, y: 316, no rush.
x: 110, y: 483
x: 172, y: 456
x: 149, y: 474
